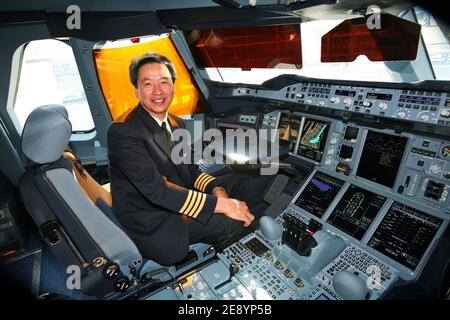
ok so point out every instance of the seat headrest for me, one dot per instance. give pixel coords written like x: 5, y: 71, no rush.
x: 46, y: 134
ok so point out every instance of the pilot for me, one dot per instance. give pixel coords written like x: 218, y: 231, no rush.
x: 162, y: 206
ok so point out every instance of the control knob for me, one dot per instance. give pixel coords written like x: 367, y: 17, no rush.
x: 309, y: 100
x: 401, y: 114
x: 382, y: 106
x: 348, y: 101
x: 322, y: 102
x: 299, y: 95
x: 335, y: 100
x: 424, y: 117
x: 435, y: 168
x: 367, y: 104
x: 445, y: 113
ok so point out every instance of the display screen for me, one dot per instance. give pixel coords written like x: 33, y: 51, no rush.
x: 346, y: 152
x: 288, y: 130
x: 381, y: 157
x: 319, y: 193
x: 379, y: 96
x: 346, y: 93
x: 355, y: 211
x: 405, y: 234
x: 313, y: 138
x: 351, y: 133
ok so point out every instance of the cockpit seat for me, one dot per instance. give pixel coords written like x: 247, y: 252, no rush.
x: 74, y: 215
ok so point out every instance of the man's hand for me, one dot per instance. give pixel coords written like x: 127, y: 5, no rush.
x: 235, y: 209
x: 171, y: 185
x: 219, y: 192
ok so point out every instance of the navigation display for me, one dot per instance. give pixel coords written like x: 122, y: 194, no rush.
x: 405, y: 234
x: 319, y: 193
x: 313, y: 138
x: 381, y: 157
x: 355, y: 211
x: 288, y: 130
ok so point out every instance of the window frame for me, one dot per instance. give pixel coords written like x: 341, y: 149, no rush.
x: 15, y: 78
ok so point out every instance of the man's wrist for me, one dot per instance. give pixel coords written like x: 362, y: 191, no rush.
x: 218, y: 189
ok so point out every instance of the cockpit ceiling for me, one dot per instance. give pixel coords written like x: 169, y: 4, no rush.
x: 138, y: 18
x: 307, y: 9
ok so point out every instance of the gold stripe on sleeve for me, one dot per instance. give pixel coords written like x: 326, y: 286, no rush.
x: 197, y: 203
x: 186, y: 202
x: 200, y: 207
x: 194, y: 199
x: 205, y: 183
x: 200, y: 182
x: 200, y: 177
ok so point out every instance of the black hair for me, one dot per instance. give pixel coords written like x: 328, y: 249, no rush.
x: 150, y: 57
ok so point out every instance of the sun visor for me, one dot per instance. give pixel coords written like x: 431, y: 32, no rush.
x: 97, y: 26
x: 392, y: 39
x: 247, y: 47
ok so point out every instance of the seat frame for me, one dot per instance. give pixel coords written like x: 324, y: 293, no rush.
x: 79, y: 231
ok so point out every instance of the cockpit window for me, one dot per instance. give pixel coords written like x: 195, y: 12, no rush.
x: 312, y: 32
x: 430, y: 61
x: 112, y: 60
x: 49, y: 75
x: 436, y: 42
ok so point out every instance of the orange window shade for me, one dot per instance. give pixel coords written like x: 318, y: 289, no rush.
x: 396, y: 40
x: 112, y: 69
x: 246, y: 48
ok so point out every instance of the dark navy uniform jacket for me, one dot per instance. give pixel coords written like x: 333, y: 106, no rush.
x: 151, y: 212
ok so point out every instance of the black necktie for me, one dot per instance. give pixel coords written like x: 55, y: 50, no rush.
x: 167, y: 134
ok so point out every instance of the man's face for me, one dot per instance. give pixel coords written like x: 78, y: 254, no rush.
x: 154, y: 88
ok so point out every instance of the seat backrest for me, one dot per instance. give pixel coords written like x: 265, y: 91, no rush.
x: 77, y: 231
